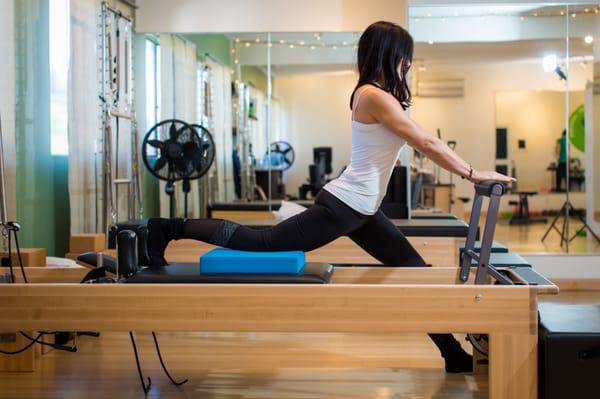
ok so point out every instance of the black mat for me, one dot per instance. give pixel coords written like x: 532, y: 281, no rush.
x: 188, y: 273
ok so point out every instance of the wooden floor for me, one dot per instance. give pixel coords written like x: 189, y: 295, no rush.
x: 528, y: 239
x: 253, y: 366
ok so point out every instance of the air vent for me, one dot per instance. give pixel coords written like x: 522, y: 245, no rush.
x: 447, y: 88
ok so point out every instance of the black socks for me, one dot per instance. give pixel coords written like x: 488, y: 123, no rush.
x: 455, y: 357
x: 160, y: 233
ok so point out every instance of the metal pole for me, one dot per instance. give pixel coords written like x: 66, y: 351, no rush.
x: 567, y: 106
x: 3, y: 212
x: 268, y: 116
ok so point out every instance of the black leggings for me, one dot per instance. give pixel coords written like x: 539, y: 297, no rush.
x: 328, y: 219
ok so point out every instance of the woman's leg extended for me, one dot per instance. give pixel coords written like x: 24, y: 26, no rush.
x: 326, y: 220
x: 381, y: 239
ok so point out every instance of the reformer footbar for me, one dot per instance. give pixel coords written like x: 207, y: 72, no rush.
x: 493, y: 191
x: 482, y: 257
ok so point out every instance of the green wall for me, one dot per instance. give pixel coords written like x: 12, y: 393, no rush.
x: 217, y: 45
x: 255, y: 76
x: 41, y: 179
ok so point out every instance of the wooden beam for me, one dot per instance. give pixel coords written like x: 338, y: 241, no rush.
x: 266, y: 307
x: 63, y: 274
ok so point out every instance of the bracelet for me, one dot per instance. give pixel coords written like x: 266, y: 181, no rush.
x: 470, y: 173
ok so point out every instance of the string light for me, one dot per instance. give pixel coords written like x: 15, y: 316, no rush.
x: 334, y: 47
x: 562, y: 12
x: 312, y: 47
x: 587, y: 10
x: 232, y: 51
x: 588, y: 39
x: 247, y: 44
x: 574, y: 15
x: 237, y: 39
x: 291, y: 46
x: 535, y: 14
x: 522, y: 18
x: 270, y: 44
x: 430, y: 42
x: 302, y: 42
x: 257, y: 40
x: 236, y: 61
x: 282, y: 41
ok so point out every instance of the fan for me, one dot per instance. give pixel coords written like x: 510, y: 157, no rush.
x: 173, y: 150
x: 282, y: 155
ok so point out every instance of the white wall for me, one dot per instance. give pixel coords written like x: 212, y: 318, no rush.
x: 318, y: 115
x: 317, y: 105
x: 538, y: 117
x: 471, y: 120
x: 7, y: 98
x: 186, y: 16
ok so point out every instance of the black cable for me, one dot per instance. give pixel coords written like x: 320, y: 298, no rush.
x: 177, y: 383
x: 54, y: 346
x: 29, y: 345
x: 139, y: 368
x: 19, y: 256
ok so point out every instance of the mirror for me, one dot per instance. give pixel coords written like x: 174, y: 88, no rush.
x: 478, y: 81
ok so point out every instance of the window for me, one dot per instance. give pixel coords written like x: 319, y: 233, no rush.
x: 152, y: 82
x: 59, y: 69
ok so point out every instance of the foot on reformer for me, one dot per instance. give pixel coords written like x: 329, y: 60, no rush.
x: 160, y: 233
x: 458, y: 361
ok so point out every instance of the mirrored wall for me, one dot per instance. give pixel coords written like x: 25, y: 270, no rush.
x: 499, y: 83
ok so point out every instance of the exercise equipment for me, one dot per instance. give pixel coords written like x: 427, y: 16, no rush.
x: 119, y: 127
x: 174, y: 151
x: 317, y: 172
x: 8, y: 229
x: 523, y: 216
x: 569, y: 350
x: 228, y: 261
x: 401, y: 300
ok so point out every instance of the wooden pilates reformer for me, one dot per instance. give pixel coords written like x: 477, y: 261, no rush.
x: 357, y: 300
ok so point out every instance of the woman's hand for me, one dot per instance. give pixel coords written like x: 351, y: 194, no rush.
x: 491, y: 175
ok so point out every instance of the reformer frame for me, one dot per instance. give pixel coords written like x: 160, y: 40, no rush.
x: 358, y: 300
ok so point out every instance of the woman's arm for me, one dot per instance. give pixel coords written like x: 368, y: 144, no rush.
x: 385, y: 109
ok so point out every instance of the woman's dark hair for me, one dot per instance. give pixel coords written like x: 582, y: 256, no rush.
x: 382, y: 47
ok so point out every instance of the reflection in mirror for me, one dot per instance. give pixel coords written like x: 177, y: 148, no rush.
x: 311, y: 78
x: 478, y: 80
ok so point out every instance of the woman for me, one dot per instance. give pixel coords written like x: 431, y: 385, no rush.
x: 349, y: 205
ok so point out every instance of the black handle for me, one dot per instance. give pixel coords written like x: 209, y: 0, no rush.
x: 490, y: 187
x: 127, y: 252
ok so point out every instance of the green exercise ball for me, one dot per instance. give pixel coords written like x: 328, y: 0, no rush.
x: 577, y: 128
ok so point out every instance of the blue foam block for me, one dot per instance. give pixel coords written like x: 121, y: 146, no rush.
x: 228, y: 261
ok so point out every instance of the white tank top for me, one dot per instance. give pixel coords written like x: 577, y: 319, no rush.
x: 364, y: 182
